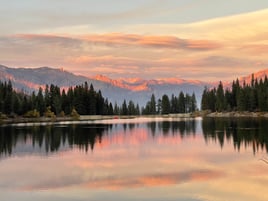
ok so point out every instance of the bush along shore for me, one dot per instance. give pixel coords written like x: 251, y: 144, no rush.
x: 235, y: 114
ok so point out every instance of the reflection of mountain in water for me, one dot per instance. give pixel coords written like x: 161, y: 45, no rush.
x: 248, y: 132
x: 43, y: 140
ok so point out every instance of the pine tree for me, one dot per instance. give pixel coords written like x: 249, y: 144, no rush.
x: 131, y: 108
x: 174, y: 104
x: 188, y: 103
x: 40, y: 105
x: 205, y: 100
x: 181, y: 103
x: 165, y: 104
x: 116, y: 109
x: 153, y: 105
x: 193, y: 103
x: 220, y: 106
x: 92, y: 99
x: 137, y: 110
x: 110, y: 109
x: 124, y: 110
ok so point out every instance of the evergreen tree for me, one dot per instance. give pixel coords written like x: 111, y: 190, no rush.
x: 242, y: 101
x: 228, y: 100
x: 40, y: 102
x: 193, y: 103
x: 92, y: 100
x: 47, y: 96
x: 165, y: 104
x: 66, y: 105
x: 100, y: 104
x: 205, y: 100
x: 131, y: 108
x: 153, y: 105
x: 174, y: 104
x: 110, y: 109
x: 188, y: 103
x: 137, y: 110
x: 220, y: 106
x: 181, y: 103
x: 116, y: 109
x: 124, y: 110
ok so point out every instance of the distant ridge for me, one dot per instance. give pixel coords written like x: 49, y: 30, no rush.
x: 257, y: 75
x: 136, y: 89
x: 138, y: 84
x: 30, y: 79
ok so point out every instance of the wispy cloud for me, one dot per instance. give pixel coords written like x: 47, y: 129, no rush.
x: 119, y: 39
x: 152, y: 41
x: 213, y: 49
x: 113, y: 182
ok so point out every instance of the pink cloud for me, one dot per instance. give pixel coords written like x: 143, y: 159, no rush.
x: 120, y: 39
x: 119, y: 54
x: 152, y: 41
x: 114, y: 183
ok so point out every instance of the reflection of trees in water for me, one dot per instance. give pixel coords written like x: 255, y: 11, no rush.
x: 248, y: 132
x: 182, y: 128
x: 129, y: 126
x: 242, y: 132
x: 51, y: 138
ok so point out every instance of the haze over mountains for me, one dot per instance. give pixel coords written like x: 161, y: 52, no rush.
x: 136, y: 89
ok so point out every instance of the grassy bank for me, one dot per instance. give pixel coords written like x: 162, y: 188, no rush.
x: 235, y: 114
x: 19, y: 119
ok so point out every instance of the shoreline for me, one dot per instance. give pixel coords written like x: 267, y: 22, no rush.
x: 82, y: 118
x: 203, y: 114
x: 236, y: 114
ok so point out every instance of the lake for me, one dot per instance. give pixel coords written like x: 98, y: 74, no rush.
x: 148, y: 159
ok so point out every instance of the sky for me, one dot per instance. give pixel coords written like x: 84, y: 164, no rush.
x: 207, y: 40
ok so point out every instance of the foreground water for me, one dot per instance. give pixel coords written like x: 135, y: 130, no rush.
x: 137, y: 159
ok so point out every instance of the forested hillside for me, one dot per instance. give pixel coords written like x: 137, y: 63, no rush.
x: 239, y: 97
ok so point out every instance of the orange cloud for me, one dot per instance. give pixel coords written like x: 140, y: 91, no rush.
x: 169, y: 42
x: 163, y: 179
x: 120, y: 54
x: 120, y: 39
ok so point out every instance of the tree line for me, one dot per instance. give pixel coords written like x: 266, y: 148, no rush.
x: 246, y: 97
x: 52, y: 101
x: 184, y: 103
x: 83, y: 100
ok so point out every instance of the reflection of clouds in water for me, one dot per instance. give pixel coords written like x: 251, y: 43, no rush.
x: 135, y: 161
x: 45, y: 140
x: 162, y: 179
x: 113, y: 182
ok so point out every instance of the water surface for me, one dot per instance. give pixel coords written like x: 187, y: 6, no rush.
x: 135, y: 159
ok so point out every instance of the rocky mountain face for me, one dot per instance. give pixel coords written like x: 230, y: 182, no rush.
x: 136, y: 89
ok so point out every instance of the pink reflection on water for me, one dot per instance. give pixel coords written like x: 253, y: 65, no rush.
x: 134, y: 159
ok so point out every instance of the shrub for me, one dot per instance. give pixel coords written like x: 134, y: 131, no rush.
x: 74, y: 114
x: 32, y: 114
x: 48, y: 113
x: 62, y: 114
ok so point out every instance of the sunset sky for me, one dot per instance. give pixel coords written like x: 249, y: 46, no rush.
x: 190, y: 39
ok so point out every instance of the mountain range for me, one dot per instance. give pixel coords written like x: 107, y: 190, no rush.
x: 116, y: 90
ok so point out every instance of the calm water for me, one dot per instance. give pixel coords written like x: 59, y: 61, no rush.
x: 138, y: 159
